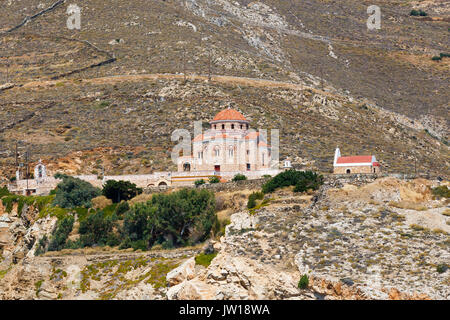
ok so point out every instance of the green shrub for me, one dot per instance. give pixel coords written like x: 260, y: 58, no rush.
x: 38, y: 285
x: 205, y: 259
x: 120, y: 190
x: 199, y: 182
x: 308, y: 181
x: 441, y: 268
x: 122, y: 208
x: 214, y: 179
x: 41, y: 245
x: 302, y: 180
x: 304, y: 281
x: 441, y: 192
x: 96, y: 229
x: 61, y: 233
x: 221, y: 227
x: 139, y: 245
x: 110, y: 211
x: 82, y: 213
x: 39, y: 202
x: 444, y: 55
x: 73, y: 192
x: 4, y: 192
x: 419, y: 12
x: 436, y: 58
x: 251, y: 203
x: 239, y: 177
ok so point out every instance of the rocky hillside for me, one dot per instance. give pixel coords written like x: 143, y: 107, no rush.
x: 110, y: 94
x: 354, y: 239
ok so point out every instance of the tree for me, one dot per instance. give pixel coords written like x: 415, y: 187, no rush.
x: 73, y: 192
x: 96, y: 229
x: 175, y: 219
x: 120, y: 190
x: 302, y: 180
x: 61, y: 234
x: 122, y: 208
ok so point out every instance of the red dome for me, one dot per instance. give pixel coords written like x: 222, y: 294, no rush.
x: 229, y: 114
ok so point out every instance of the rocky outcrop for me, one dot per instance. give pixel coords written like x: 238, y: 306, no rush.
x: 263, y: 256
x: 20, y: 232
x: 192, y: 290
x: 348, y: 240
x: 184, y: 272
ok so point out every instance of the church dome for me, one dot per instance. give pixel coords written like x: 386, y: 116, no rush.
x: 229, y: 115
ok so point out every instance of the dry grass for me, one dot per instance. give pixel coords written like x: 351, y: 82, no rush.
x: 408, y: 205
x: 101, y: 202
x: 143, y: 197
x: 446, y: 212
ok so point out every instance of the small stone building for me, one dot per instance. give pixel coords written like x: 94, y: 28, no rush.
x: 354, y: 164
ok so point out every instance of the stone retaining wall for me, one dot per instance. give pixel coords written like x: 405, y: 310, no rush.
x: 220, y: 187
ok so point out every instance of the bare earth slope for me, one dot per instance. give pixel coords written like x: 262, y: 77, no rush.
x: 307, y: 45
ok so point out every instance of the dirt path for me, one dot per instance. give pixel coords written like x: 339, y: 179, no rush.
x: 252, y: 82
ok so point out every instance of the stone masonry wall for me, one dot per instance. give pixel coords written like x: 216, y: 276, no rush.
x: 355, y: 169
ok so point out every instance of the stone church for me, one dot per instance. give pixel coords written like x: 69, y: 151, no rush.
x: 230, y: 145
x: 355, y: 164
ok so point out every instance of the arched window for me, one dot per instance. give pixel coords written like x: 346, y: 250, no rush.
x: 231, y: 151
x: 217, y: 151
x: 223, y: 127
x: 186, y: 166
x: 232, y: 126
x: 348, y: 171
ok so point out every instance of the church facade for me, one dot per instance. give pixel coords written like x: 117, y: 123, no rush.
x: 229, y: 146
x: 355, y: 164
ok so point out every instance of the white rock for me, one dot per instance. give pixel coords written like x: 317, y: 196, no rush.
x: 185, y: 271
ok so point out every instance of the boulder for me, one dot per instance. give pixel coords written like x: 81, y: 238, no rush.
x: 186, y: 271
x: 172, y: 293
x: 196, y: 290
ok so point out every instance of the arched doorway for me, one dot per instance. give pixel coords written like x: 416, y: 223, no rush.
x: 39, y: 171
x: 348, y: 171
x: 186, y: 166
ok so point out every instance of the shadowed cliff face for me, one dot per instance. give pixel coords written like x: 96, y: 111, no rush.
x: 313, y: 44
